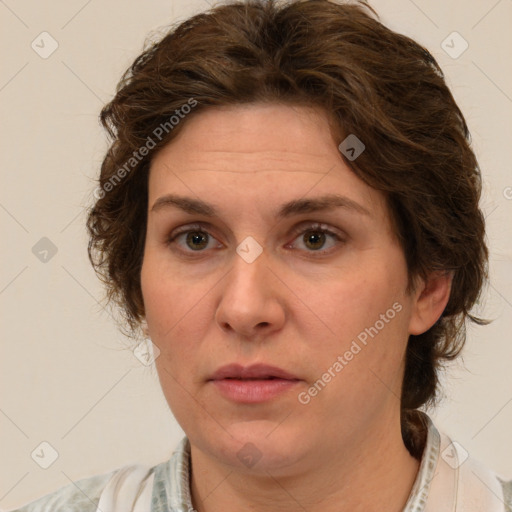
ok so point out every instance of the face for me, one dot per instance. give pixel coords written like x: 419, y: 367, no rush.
x: 245, y: 265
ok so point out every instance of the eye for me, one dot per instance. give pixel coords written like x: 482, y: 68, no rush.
x: 192, y: 239
x: 314, y: 237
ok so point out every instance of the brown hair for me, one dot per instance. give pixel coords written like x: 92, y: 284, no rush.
x: 375, y: 83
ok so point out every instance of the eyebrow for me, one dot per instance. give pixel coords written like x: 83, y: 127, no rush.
x: 294, y: 207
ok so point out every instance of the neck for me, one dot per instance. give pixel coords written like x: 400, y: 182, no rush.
x: 375, y: 468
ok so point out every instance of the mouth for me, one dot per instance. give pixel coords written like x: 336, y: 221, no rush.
x: 252, y: 384
x: 253, y: 378
x: 253, y: 372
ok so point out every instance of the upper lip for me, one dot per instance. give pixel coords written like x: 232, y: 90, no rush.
x: 255, y: 371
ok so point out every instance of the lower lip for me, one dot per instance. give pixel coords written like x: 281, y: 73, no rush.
x: 253, y: 391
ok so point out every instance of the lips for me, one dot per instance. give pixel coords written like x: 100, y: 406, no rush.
x: 253, y: 372
x: 255, y: 384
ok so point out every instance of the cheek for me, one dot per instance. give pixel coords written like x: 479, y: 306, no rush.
x: 177, y: 313
x: 172, y: 317
x: 166, y: 298
x: 359, y: 373
x: 356, y: 301
x: 367, y: 313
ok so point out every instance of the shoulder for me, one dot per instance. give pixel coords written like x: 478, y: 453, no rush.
x: 105, y: 492
x: 450, y: 478
x: 481, y: 488
x: 507, y: 493
x: 130, y: 487
x: 477, y: 487
x: 82, y: 495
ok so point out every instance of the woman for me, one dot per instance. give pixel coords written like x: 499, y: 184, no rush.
x: 289, y: 211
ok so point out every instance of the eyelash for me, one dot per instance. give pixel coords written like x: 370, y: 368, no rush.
x: 299, y: 230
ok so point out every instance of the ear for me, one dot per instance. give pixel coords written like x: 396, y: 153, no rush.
x: 430, y: 299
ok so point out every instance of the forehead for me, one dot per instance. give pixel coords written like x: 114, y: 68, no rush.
x: 245, y: 133
x: 261, y: 154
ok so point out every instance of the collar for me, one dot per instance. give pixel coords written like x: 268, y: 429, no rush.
x: 171, y: 488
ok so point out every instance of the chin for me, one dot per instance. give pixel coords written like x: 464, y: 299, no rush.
x: 258, y: 446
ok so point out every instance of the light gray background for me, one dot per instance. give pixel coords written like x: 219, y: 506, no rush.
x: 66, y: 378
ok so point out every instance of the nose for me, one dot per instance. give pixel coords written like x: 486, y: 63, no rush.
x: 250, y: 304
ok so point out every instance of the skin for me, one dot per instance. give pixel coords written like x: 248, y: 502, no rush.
x: 292, y: 307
